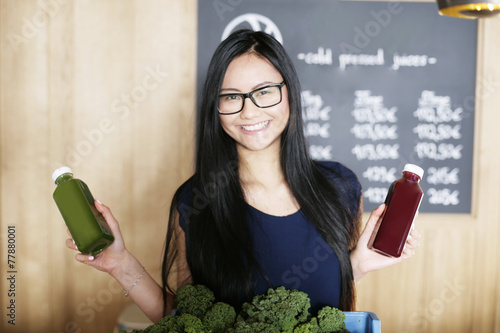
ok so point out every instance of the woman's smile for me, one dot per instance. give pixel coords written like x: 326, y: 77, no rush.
x: 255, y: 127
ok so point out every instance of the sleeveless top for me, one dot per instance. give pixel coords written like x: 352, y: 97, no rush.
x: 291, y: 251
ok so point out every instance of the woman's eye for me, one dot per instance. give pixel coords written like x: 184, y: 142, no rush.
x: 264, y: 91
x: 231, y: 98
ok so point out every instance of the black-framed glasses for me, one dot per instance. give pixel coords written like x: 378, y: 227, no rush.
x: 264, y: 97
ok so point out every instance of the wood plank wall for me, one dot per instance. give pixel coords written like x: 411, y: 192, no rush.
x: 108, y: 87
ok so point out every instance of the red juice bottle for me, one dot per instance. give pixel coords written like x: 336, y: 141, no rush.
x: 402, y: 203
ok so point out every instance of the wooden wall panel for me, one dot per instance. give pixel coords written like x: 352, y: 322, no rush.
x: 108, y: 87
x: 487, y: 275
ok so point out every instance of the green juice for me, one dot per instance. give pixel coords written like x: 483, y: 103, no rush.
x: 87, y: 226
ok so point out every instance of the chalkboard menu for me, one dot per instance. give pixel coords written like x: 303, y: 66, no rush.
x: 383, y: 84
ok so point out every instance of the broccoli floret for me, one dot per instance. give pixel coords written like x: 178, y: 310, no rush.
x: 194, y: 299
x: 190, y: 323
x: 303, y: 328
x: 184, y: 323
x: 157, y: 329
x: 309, y: 327
x: 283, y: 308
x: 166, y: 324
x: 255, y: 327
x: 219, y: 317
x: 328, y: 320
x: 331, y: 320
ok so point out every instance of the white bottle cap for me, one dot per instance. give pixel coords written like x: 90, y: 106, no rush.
x: 61, y: 171
x: 414, y: 169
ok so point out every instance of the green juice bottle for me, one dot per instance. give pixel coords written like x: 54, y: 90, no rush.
x: 87, y: 226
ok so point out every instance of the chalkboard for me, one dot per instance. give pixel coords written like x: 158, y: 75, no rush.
x: 383, y: 84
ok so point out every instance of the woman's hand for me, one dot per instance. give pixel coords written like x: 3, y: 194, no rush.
x: 364, y: 260
x: 110, y: 257
x: 127, y: 270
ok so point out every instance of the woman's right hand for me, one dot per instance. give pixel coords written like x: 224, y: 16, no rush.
x: 110, y: 257
x: 117, y: 261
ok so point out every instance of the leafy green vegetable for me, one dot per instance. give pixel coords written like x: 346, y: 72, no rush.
x: 279, y: 310
x: 194, y: 299
x: 219, y: 318
x: 282, y: 308
x: 331, y: 320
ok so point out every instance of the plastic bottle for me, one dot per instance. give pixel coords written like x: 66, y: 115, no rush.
x: 87, y: 226
x: 402, y: 203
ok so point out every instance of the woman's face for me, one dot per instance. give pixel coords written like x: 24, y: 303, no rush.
x: 254, y: 128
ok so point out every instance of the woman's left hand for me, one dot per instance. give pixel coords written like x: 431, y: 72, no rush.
x: 365, y: 260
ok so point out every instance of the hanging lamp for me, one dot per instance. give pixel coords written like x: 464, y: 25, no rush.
x: 470, y: 9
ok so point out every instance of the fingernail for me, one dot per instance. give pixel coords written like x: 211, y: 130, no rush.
x: 98, y: 201
x: 73, y: 241
x: 91, y: 258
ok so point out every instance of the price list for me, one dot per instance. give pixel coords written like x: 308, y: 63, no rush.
x: 376, y: 124
x: 432, y: 139
x: 439, y: 140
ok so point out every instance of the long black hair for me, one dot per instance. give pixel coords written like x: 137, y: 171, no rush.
x: 218, y: 242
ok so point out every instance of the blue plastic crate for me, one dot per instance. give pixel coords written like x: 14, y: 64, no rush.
x: 362, y: 322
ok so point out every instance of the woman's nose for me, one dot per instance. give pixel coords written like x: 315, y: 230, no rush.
x: 250, y: 110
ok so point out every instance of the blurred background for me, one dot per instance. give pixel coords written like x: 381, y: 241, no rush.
x: 108, y: 87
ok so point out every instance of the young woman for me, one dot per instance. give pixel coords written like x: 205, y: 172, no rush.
x: 258, y: 212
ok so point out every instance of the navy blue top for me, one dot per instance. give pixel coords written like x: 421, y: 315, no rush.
x: 291, y: 251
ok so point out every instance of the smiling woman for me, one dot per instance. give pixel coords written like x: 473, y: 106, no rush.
x: 257, y: 125
x: 279, y: 205
x: 234, y: 246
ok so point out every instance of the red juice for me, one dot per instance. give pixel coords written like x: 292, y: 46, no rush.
x: 402, y: 203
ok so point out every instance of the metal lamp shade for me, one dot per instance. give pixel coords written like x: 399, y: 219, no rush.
x: 469, y: 9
